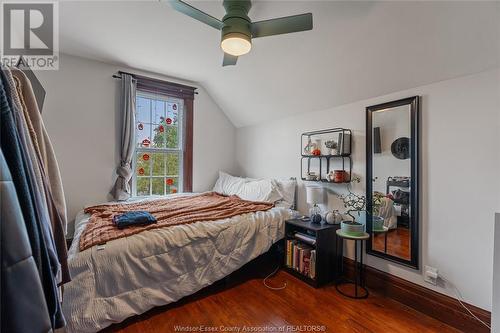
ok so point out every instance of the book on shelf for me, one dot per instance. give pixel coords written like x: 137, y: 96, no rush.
x: 289, y: 253
x: 301, y: 257
x: 312, y: 269
x: 295, y: 263
x: 344, y: 143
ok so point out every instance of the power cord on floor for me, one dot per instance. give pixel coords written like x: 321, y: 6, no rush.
x: 271, y: 275
x: 458, y: 295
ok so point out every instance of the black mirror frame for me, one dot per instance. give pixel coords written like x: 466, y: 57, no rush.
x: 414, y: 103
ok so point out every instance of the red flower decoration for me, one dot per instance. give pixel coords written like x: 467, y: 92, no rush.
x: 169, y: 121
x: 170, y: 182
x: 174, y: 190
x: 146, y: 142
x: 145, y: 157
x: 141, y: 171
x: 161, y: 128
x: 140, y: 126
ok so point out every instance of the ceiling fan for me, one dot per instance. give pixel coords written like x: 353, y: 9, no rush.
x: 238, y: 29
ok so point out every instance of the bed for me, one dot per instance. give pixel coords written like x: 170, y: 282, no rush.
x: 131, y: 275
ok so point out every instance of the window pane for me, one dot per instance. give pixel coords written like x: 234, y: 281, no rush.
x: 158, y: 111
x: 158, y: 186
x: 143, y: 164
x: 143, y: 186
x: 172, y: 164
x: 171, y: 137
x: 158, y: 136
x: 158, y: 161
x: 172, y: 184
x: 143, y: 135
x: 143, y: 110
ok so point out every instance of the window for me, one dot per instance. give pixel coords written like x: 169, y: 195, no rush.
x: 158, y: 156
x: 163, y: 145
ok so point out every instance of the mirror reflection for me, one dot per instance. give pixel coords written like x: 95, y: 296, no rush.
x: 391, y: 176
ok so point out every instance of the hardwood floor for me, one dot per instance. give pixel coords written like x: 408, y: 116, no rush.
x: 398, y: 242
x: 250, y: 303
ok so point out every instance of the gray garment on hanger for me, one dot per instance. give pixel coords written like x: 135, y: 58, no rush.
x: 23, y: 307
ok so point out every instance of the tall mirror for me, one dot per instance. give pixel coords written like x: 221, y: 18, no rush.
x: 392, y: 180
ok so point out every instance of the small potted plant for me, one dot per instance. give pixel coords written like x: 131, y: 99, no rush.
x: 331, y: 146
x: 354, y: 204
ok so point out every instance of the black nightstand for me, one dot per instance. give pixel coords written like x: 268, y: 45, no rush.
x: 328, y: 250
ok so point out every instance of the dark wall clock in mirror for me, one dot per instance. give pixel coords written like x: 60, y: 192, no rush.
x: 392, y: 181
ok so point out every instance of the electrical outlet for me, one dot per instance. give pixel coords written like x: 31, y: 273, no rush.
x: 430, y: 275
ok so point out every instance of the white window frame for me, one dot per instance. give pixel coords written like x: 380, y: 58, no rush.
x: 179, y: 150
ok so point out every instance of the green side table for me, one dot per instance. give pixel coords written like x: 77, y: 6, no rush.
x: 360, y: 290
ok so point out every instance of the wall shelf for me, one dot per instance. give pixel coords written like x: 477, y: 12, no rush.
x: 325, y: 162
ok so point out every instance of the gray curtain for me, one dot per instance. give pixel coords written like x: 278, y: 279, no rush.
x: 121, y: 190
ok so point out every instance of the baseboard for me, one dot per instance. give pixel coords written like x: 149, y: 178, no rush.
x: 429, y: 302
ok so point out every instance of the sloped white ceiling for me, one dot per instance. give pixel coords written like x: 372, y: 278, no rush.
x: 356, y: 50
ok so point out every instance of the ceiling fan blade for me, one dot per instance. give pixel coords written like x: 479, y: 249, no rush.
x: 229, y: 60
x: 195, y: 13
x: 282, y: 25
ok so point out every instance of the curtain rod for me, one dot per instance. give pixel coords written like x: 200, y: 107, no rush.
x: 136, y: 76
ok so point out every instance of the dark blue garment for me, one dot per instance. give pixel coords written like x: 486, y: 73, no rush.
x: 133, y: 218
x: 17, y: 163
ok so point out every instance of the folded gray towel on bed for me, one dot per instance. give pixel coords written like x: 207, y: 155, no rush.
x: 133, y: 218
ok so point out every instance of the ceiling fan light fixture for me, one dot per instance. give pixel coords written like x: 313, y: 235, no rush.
x: 236, y: 44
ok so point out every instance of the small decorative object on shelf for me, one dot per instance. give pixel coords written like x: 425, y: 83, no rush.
x: 308, y: 147
x: 338, y: 176
x: 333, y: 217
x: 316, y: 151
x: 332, y: 147
x: 315, y: 214
x: 312, y: 176
x: 336, y: 155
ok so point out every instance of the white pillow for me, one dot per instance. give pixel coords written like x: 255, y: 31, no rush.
x: 227, y: 184
x: 259, y: 190
x: 248, y: 189
x: 286, y: 190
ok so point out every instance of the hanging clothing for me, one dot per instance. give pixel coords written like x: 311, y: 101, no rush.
x: 24, y: 125
x: 43, y: 144
x: 40, y: 202
x: 19, y: 166
x: 23, y: 307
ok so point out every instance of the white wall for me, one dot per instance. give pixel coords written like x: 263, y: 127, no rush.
x: 459, y: 173
x: 81, y: 113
